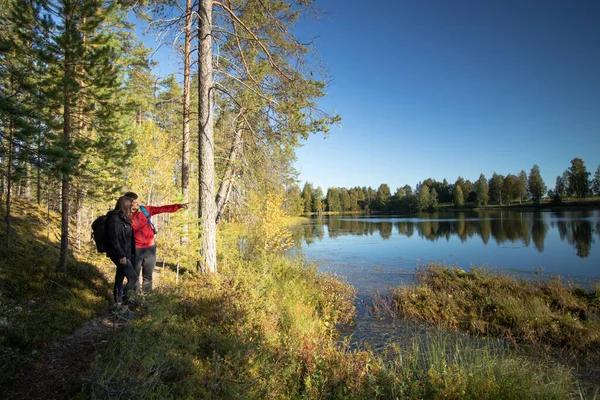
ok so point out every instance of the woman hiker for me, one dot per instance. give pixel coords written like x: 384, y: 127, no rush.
x: 121, y: 250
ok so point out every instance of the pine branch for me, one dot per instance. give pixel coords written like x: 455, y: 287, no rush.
x: 259, y: 41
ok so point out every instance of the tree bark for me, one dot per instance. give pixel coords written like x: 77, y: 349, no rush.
x: 39, y: 166
x: 11, y: 129
x: 27, y: 183
x: 78, y: 218
x: 187, y: 87
x: 185, y: 155
x: 225, y: 188
x: 206, y: 152
x: 64, y: 231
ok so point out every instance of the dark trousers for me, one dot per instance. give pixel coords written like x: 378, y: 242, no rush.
x: 126, y: 270
x: 145, y: 261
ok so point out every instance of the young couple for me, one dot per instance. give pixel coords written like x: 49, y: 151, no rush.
x: 131, y: 246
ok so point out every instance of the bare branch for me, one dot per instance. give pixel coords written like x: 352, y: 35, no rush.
x: 259, y: 41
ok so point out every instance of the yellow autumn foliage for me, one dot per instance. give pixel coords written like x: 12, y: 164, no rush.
x: 268, y: 231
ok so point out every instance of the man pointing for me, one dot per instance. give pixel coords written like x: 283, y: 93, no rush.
x: 143, y: 233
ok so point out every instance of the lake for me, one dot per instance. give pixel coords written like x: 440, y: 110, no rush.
x: 374, y: 253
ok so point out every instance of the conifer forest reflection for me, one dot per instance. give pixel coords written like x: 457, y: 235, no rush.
x: 561, y: 243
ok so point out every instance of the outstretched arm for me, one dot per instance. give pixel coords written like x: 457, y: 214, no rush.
x: 152, y: 210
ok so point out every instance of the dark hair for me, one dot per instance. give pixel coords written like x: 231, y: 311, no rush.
x: 131, y: 195
x: 123, y: 206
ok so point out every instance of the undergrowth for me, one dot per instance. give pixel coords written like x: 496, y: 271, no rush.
x: 37, y: 304
x: 265, y: 327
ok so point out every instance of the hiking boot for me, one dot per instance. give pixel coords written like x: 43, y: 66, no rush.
x: 122, y: 314
x: 127, y: 314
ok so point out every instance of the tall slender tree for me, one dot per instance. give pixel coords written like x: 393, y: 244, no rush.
x: 482, y: 195
x: 535, y: 184
x: 521, y: 186
x: 596, y: 182
x: 187, y: 87
x: 264, y: 77
x: 496, y: 188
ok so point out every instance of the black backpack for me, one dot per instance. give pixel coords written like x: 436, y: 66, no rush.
x: 99, y: 233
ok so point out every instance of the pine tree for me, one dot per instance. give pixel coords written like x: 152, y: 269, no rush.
x: 307, y: 197
x: 578, y: 184
x: 333, y: 200
x: 535, y: 185
x: 266, y: 80
x: 596, y: 182
x: 83, y: 81
x: 482, y: 191
x: 496, y: 188
x: 382, y: 197
x: 560, y: 189
x: 19, y: 103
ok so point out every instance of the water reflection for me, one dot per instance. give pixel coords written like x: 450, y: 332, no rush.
x: 505, y: 228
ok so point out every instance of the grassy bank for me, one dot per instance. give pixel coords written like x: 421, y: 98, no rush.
x: 37, y: 304
x: 544, y: 318
x: 535, y: 311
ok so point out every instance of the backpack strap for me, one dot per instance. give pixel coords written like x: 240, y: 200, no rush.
x: 147, y: 214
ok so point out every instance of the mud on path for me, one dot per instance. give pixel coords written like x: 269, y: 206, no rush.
x: 57, y: 374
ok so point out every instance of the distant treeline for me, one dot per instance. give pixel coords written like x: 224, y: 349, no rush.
x: 502, y: 226
x: 575, y: 182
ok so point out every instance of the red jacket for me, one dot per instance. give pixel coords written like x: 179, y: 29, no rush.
x: 142, y: 231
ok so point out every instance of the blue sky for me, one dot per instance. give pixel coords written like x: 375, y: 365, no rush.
x: 439, y: 88
x: 446, y: 88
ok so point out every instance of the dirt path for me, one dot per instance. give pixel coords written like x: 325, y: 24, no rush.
x: 59, y: 371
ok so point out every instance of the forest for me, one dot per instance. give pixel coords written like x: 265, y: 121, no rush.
x: 574, y: 183
x: 84, y: 117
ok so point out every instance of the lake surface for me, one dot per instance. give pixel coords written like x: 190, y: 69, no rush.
x: 376, y: 253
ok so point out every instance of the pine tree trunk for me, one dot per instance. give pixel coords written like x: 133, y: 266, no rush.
x: 4, y: 173
x: 27, y: 183
x: 206, y: 152
x: 11, y: 132
x: 64, y: 231
x: 39, y: 167
x: 187, y: 87
x: 78, y: 217
x: 185, y: 156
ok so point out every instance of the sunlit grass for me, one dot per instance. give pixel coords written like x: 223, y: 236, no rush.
x: 535, y: 311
